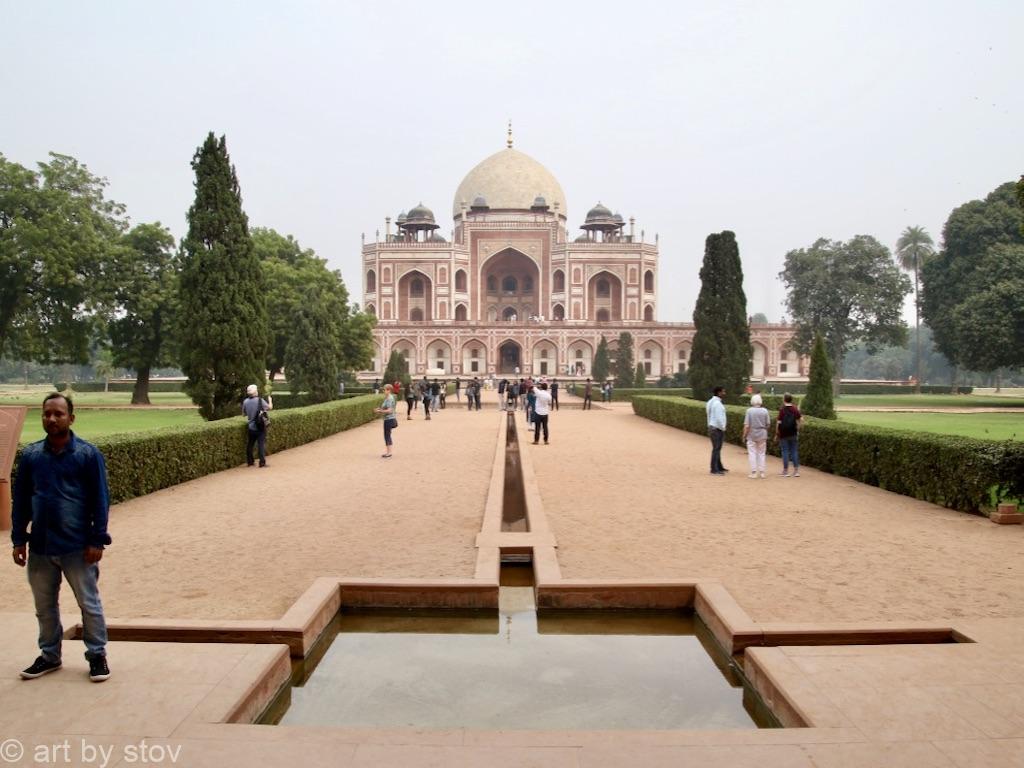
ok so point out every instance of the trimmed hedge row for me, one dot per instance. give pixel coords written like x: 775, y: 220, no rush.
x: 800, y: 388
x: 117, y: 386
x: 146, y: 462
x: 957, y: 472
x: 626, y: 394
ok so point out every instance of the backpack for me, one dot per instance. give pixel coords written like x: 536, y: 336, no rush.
x: 787, y: 424
x: 262, y: 420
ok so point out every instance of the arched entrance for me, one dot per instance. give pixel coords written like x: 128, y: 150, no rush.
x: 512, y: 278
x: 510, y: 358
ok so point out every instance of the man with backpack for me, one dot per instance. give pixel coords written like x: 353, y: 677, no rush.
x: 254, y: 407
x: 787, y: 431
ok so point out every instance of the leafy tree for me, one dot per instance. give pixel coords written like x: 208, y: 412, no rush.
x: 291, y: 271
x: 57, y: 235
x: 818, y: 401
x: 759, y: 318
x: 599, y: 368
x: 912, y: 249
x: 721, y: 353
x: 990, y: 319
x: 625, y: 374
x: 145, y: 295
x: 357, y: 340
x: 397, y: 368
x: 848, y: 292
x: 970, y: 289
x: 313, y: 354
x: 223, y: 328
x: 640, y: 377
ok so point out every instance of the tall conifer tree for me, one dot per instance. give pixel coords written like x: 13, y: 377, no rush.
x: 599, y: 368
x: 625, y: 373
x: 818, y: 401
x: 721, y: 346
x: 223, y: 330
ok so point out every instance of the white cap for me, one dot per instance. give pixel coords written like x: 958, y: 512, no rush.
x: 252, y: 390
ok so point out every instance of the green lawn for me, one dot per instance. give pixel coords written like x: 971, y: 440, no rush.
x: 33, y: 396
x: 931, y: 401
x: 987, y: 426
x: 93, y: 423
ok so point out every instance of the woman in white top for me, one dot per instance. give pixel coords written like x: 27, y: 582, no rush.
x: 755, y: 434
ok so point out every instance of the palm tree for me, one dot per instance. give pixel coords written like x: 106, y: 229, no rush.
x: 914, y: 246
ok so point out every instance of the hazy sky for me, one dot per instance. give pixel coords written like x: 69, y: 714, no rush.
x: 782, y: 121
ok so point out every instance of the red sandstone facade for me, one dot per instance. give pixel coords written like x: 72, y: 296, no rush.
x: 513, y: 292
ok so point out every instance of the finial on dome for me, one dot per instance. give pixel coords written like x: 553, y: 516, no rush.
x: 508, y: 141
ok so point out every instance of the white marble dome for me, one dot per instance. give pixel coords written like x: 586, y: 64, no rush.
x: 509, y: 180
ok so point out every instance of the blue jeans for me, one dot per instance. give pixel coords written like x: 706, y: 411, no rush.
x: 790, y: 452
x: 44, y: 576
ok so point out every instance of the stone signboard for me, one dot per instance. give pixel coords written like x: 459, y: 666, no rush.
x: 12, y: 417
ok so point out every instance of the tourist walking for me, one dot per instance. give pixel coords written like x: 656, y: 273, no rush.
x: 253, y: 407
x: 61, y: 490
x: 410, y: 399
x: 554, y: 393
x: 756, y: 423
x: 541, y: 411
x: 787, y: 431
x: 458, y: 390
x: 387, y: 410
x: 716, y: 429
x: 531, y: 398
x: 502, y: 386
x: 588, y: 395
x: 435, y: 395
x: 425, y: 396
x: 476, y: 392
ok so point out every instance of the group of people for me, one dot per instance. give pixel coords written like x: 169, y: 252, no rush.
x: 537, y: 400
x: 757, y: 429
x: 512, y: 394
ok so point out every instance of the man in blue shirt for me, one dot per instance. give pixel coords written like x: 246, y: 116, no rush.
x: 61, y: 490
x: 716, y: 429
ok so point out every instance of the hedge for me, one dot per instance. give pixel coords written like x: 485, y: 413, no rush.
x: 961, y: 473
x: 626, y: 394
x: 117, y: 386
x: 146, y: 462
x: 800, y: 388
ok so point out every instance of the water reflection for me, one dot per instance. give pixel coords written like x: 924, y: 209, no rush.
x: 581, y: 670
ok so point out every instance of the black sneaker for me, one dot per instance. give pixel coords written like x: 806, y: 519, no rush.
x: 39, y: 668
x: 98, y: 669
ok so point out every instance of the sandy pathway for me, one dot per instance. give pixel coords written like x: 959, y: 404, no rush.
x: 627, y: 497
x: 246, y: 542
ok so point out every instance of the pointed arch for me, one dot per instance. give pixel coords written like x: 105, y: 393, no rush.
x: 415, y: 292
x: 474, y: 357
x: 604, y: 297
x: 558, y: 281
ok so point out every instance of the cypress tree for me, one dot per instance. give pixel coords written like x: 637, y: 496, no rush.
x: 599, y: 369
x: 313, y: 354
x: 818, y: 400
x: 396, y: 370
x: 625, y: 374
x: 721, y: 351
x: 640, y: 379
x: 223, y: 329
